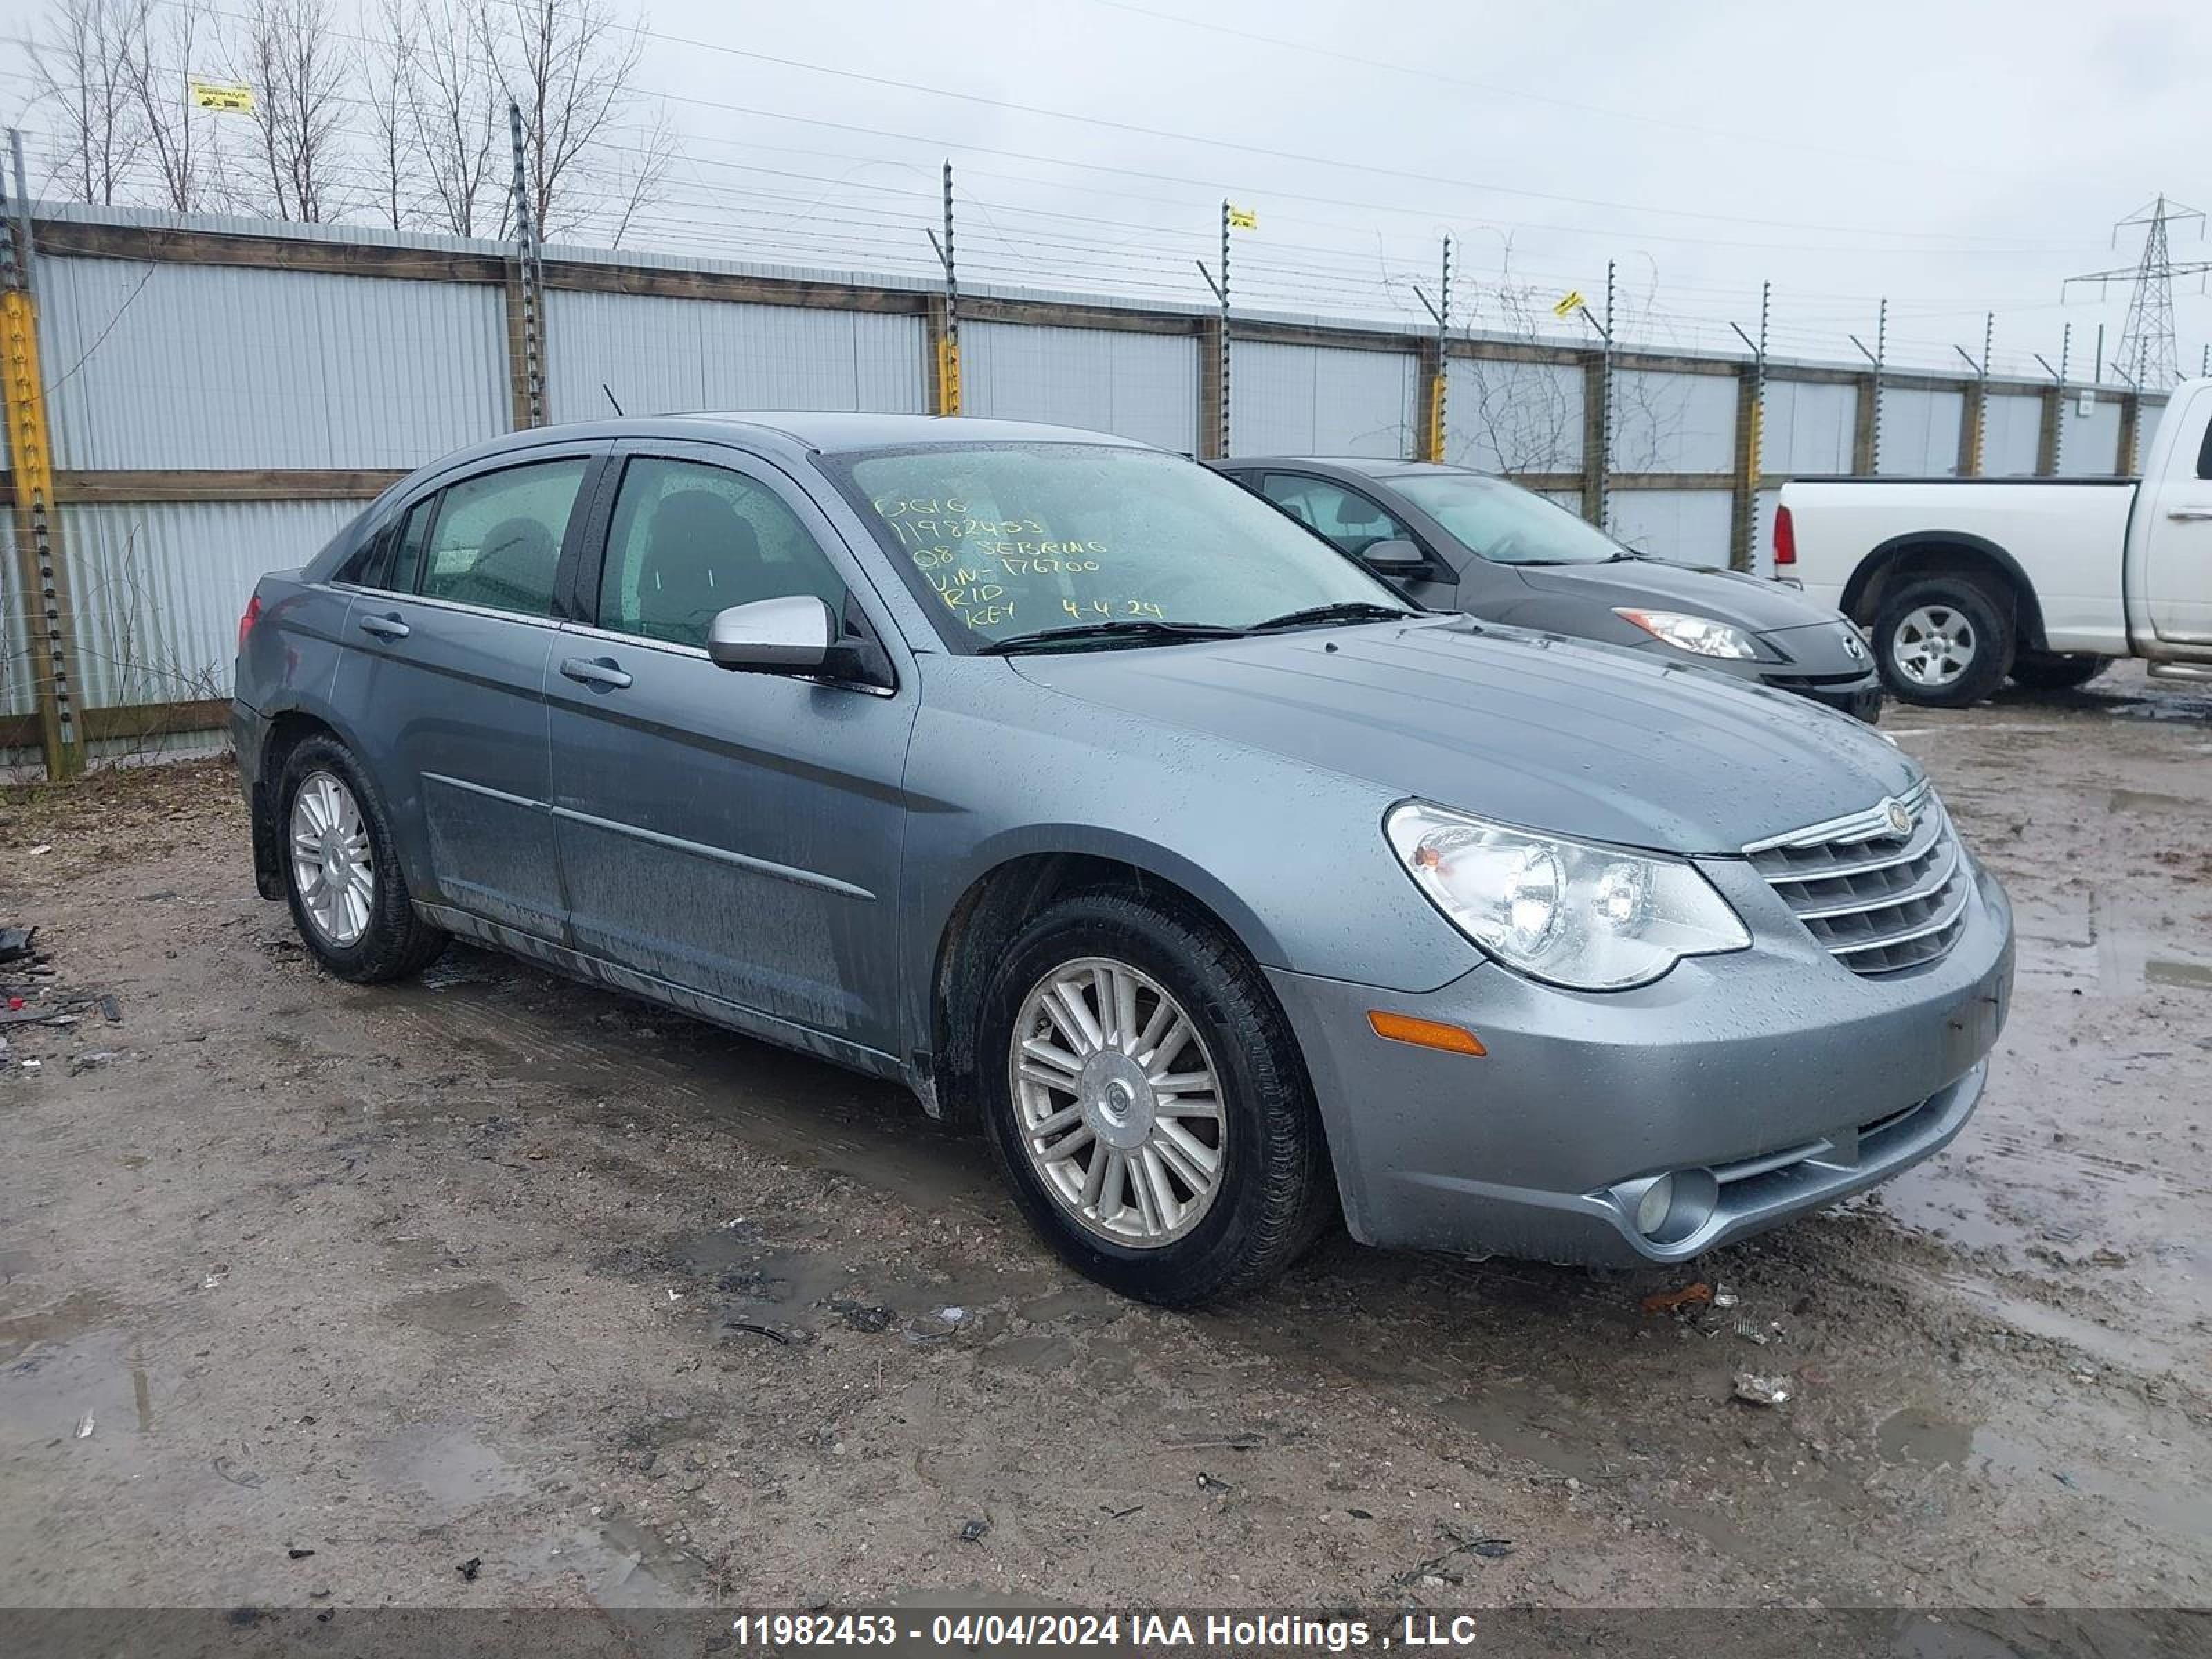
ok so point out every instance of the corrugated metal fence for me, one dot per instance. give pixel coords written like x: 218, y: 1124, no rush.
x: 223, y: 394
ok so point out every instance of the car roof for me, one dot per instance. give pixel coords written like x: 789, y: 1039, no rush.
x: 819, y: 431
x: 1368, y: 466
x: 832, y: 431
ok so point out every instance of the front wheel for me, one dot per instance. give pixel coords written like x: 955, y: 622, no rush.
x: 2045, y: 671
x: 1942, y: 642
x: 1146, y: 1103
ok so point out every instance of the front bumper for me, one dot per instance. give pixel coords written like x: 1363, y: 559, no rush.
x: 1788, y: 1080
x: 1860, y: 698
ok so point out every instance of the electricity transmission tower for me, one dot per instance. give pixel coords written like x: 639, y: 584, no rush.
x: 2149, y: 357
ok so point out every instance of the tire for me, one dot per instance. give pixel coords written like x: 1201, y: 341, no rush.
x: 1274, y: 1190
x: 2047, y: 670
x: 392, y: 942
x: 1974, y: 655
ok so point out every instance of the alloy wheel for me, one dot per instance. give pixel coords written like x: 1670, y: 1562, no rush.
x: 332, y: 866
x: 1932, y: 646
x: 1120, y: 1103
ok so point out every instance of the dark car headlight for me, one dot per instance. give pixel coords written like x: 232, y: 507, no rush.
x: 1701, y: 637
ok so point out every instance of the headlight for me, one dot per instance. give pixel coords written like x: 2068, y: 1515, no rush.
x: 1587, y: 917
x: 1699, y: 635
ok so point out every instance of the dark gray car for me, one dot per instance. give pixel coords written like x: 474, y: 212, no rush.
x: 1459, y: 540
x: 1086, y: 795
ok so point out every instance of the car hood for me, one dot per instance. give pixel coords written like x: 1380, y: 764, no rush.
x: 1728, y: 596
x: 1532, y: 729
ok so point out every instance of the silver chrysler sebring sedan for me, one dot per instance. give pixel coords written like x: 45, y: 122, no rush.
x: 1113, y: 810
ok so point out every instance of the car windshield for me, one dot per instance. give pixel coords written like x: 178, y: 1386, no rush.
x: 1007, y: 541
x: 1504, y: 523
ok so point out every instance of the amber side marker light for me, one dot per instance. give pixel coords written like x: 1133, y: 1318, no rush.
x: 1425, y: 1033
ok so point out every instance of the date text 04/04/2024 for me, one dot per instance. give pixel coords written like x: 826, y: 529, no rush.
x: 1000, y: 1628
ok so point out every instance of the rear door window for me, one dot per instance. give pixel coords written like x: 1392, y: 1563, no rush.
x: 496, y: 539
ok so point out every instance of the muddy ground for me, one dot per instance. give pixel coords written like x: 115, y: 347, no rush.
x: 492, y: 1290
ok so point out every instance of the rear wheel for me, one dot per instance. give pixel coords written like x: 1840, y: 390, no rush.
x: 2048, y: 671
x: 1943, y: 642
x: 341, y: 874
x: 1147, y: 1104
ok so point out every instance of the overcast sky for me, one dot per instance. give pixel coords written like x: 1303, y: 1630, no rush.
x: 1953, y: 157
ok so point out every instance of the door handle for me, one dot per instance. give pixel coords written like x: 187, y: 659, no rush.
x: 2188, y: 512
x: 595, y: 671
x: 385, y: 628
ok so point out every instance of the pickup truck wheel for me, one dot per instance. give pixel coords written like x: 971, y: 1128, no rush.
x: 2048, y: 671
x: 342, y: 873
x: 1147, y: 1104
x: 1942, y: 642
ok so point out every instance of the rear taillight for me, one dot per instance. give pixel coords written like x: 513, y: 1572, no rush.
x: 246, y: 622
x: 1785, y: 538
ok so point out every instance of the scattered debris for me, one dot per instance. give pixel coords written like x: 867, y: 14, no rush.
x: 84, y: 1427
x: 86, y: 1062
x: 781, y: 1339
x: 16, y: 943
x: 1207, y: 1483
x: 1689, y: 1295
x: 1724, y: 1297
x: 952, y: 1316
x: 110, y: 1008
x: 971, y: 1532
x: 469, y: 1568
x: 1437, y: 1571
x: 42, y: 848
x: 861, y: 1315
x: 1242, y: 1440
x: 215, y: 1275
x: 230, y: 1471
x: 1120, y: 1515
x: 1761, y: 1390
x: 1752, y: 1331
x: 298, y: 1554
x: 1360, y: 1515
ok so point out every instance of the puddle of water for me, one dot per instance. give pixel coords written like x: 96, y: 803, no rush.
x: 621, y: 1564
x: 78, y: 1312
x: 449, y: 1466
x: 2152, y: 802
x: 1511, y: 1420
x: 1039, y: 1354
x: 1914, y: 1435
x: 461, y: 1310
x: 2192, y: 975
x: 1923, y: 1438
x: 47, y: 1397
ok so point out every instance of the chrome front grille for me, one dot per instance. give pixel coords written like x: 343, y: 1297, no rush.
x: 1878, y: 897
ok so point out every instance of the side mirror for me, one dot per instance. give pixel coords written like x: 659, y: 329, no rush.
x: 1393, y: 558
x: 789, y: 635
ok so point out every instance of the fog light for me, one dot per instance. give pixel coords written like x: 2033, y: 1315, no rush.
x: 1670, y: 1208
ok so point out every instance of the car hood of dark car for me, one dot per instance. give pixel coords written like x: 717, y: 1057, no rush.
x: 1531, y: 729
x: 1747, y: 601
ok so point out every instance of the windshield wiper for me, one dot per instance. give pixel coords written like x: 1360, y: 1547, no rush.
x: 1349, y: 612
x: 1139, y: 629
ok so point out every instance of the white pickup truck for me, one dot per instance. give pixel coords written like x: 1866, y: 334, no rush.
x: 1959, y: 582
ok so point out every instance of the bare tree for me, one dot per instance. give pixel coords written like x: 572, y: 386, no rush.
x: 156, y: 56
x: 390, y: 95
x: 292, y: 56
x: 571, y: 67
x: 634, y: 185
x: 454, y: 113
x: 81, y: 66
